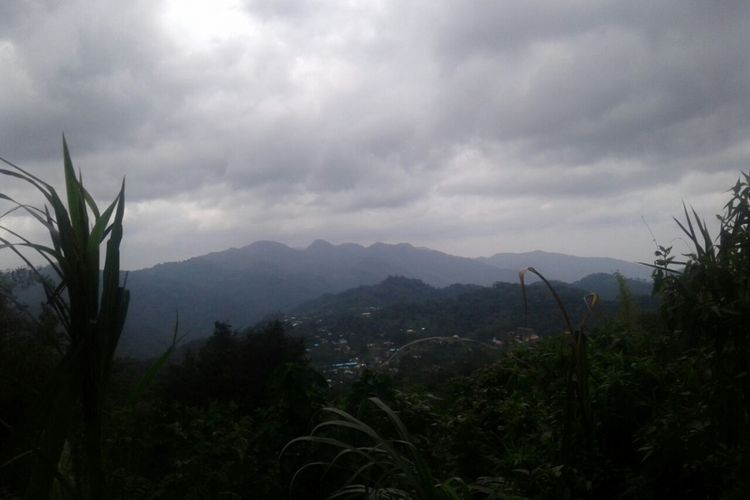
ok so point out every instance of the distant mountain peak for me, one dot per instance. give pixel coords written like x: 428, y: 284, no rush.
x: 380, y: 244
x: 265, y: 244
x: 320, y: 244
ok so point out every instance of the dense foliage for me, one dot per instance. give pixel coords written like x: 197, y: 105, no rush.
x: 214, y: 424
x: 27, y: 358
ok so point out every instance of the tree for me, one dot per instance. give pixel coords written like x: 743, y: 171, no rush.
x: 233, y: 367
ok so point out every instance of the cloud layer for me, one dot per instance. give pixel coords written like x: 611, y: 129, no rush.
x: 473, y: 128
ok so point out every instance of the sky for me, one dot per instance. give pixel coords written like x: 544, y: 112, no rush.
x: 470, y: 127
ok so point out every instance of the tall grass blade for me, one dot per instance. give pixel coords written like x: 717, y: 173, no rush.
x: 93, y: 319
x: 522, y: 274
x: 400, y: 471
x: 148, y: 378
x: 577, y: 390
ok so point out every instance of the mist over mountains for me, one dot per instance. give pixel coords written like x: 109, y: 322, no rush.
x: 568, y: 268
x: 243, y: 285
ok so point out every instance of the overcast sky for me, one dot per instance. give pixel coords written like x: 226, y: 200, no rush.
x: 471, y: 127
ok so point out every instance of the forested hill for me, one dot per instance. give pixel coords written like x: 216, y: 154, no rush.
x: 392, y: 291
x: 607, y: 287
x: 399, y: 310
x: 243, y: 285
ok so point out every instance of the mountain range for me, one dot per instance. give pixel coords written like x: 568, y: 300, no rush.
x: 241, y: 286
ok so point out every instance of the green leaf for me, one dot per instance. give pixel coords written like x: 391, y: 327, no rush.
x: 150, y: 375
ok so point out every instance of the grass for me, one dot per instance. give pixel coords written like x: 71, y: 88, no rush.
x: 91, y: 306
x: 384, y: 468
x: 578, y: 412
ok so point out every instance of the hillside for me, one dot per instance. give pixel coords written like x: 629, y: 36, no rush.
x: 369, y: 322
x: 392, y: 291
x: 568, y: 268
x: 242, y: 285
x: 607, y: 287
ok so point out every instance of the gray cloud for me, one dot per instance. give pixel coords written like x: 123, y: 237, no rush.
x: 475, y: 127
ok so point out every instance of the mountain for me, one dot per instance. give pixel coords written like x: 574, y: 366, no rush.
x: 242, y: 285
x: 568, y: 268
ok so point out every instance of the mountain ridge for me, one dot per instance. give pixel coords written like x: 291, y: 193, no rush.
x: 242, y: 285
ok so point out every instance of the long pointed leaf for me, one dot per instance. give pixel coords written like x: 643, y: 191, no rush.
x: 148, y: 378
x: 76, y: 203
